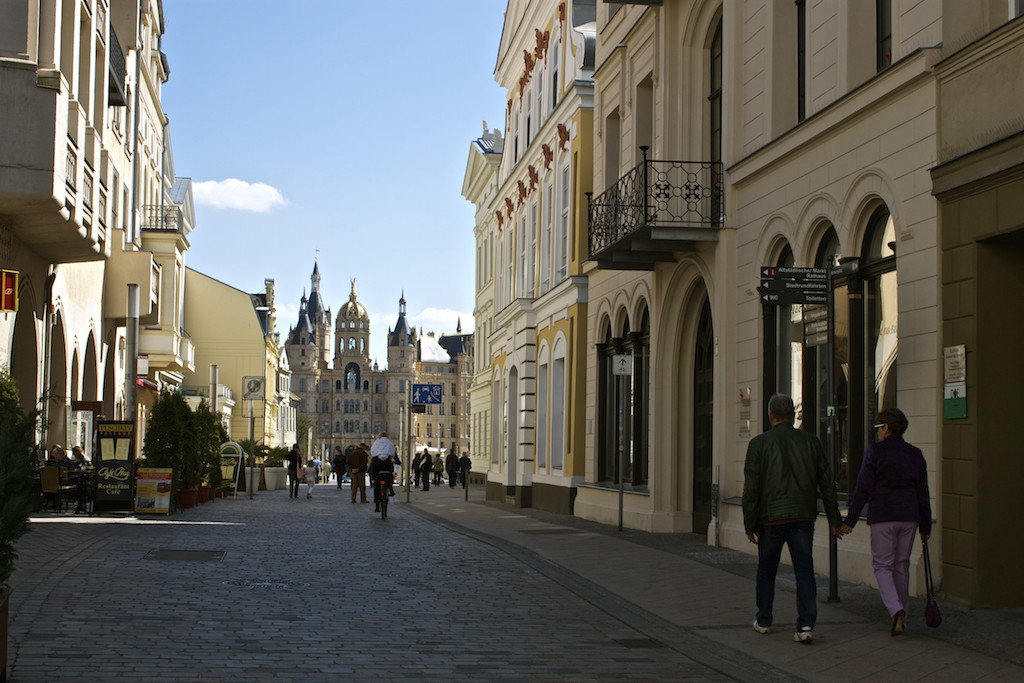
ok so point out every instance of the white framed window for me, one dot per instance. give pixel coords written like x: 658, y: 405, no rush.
x: 509, y: 265
x: 545, y: 240
x: 562, y: 238
x: 521, y: 269
x: 558, y: 413
x: 542, y: 417
x: 531, y: 259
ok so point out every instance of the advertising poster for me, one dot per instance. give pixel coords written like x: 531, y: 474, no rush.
x: 153, y: 490
x: 114, y: 465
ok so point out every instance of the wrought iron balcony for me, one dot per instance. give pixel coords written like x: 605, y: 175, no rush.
x: 166, y: 217
x: 657, y: 209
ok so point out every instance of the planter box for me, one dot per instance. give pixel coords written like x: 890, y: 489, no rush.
x: 275, y: 477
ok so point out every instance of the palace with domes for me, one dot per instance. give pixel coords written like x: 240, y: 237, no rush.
x: 348, y: 399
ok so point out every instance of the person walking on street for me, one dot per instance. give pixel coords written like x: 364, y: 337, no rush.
x: 293, y: 471
x: 451, y: 466
x: 415, y: 470
x: 426, y: 467
x: 465, y: 465
x: 339, y: 465
x: 893, y: 482
x: 357, y: 462
x: 310, y: 476
x: 438, y: 469
x: 785, y: 470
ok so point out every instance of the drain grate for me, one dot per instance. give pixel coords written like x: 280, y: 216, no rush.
x: 186, y: 555
x: 263, y: 584
x: 639, y: 643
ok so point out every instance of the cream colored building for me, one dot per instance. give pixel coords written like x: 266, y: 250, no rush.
x: 480, y: 186
x: 538, y: 333
x: 731, y: 137
x: 86, y: 169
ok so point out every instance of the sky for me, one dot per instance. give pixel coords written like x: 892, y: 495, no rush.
x: 335, y: 132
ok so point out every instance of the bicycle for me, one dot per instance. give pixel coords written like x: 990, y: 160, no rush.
x: 383, y: 492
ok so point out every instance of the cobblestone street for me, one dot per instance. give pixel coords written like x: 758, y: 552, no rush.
x: 275, y: 589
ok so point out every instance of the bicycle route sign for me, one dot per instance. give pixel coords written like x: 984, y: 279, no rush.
x: 426, y: 394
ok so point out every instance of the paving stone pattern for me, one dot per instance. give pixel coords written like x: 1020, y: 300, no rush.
x: 308, y: 590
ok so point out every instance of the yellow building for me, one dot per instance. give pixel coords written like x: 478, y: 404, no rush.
x: 538, y: 332
x: 234, y: 331
x: 480, y: 186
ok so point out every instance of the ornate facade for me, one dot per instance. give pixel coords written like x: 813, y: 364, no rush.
x: 346, y: 398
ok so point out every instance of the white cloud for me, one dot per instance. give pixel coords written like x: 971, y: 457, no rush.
x: 238, y: 195
x: 442, y: 321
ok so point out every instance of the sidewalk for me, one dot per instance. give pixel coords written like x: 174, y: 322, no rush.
x: 700, y: 601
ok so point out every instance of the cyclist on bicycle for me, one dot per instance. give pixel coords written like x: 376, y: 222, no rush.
x: 383, y: 458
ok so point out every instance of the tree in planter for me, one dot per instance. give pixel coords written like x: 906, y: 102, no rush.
x: 17, y: 491
x: 208, y: 441
x: 171, y: 439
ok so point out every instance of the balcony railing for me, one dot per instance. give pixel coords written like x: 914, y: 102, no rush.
x: 654, y: 209
x: 166, y: 217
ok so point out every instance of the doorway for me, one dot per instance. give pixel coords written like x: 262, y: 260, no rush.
x: 703, y: 419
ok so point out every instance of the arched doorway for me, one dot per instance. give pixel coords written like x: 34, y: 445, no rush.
x: 24, y: 354
x: 57, y: 389
x: 703, y: 419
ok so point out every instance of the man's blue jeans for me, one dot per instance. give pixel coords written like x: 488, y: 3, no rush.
x: 799, y: 536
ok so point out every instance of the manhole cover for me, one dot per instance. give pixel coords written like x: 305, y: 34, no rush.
x: 258, y: 584
x: 186, y: 555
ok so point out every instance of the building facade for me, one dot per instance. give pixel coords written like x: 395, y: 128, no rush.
x: 480, y: 186
x: 344, y: 398
x: 86, y: 172
x: 538, y: 332
x: 863, y: 140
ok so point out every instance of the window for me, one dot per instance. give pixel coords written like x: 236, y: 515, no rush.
x: 715, y: 117
x: 521, y: 270
x: 545, y: 241
x: 558, y: 413
x: 531, y: 260
x: 615, y: 396
x: 453, y: 412
x: 337, y: 385
x: 883, y: 34
x: 453, y: 389
x: 440, y: 409
x: 801, y: 60
x: 542, y: 416
x: 562, y: 239
x: 554, y: 75
x: 529, y: 117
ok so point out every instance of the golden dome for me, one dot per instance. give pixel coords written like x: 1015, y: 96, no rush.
x: 352, y: 309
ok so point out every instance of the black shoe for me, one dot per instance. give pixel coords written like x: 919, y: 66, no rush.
x: 376, y: 508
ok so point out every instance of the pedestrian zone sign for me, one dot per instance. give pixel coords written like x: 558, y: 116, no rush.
x: 424, y: 394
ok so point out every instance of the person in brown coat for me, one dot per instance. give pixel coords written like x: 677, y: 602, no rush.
x: 357, y: 462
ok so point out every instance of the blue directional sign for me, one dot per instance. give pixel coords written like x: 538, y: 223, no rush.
x: 424, y: 394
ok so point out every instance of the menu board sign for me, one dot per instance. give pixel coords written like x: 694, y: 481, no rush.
x: 113, y: 481
x: 153, y: 489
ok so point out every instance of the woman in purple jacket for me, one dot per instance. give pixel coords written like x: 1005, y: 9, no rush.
x: 893, y: 481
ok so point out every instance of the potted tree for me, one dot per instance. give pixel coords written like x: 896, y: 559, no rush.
x: 17, y: 492
x: 256, y: 454
x: 208, y: 440
x: 275, y: 472
x: 171, y: 442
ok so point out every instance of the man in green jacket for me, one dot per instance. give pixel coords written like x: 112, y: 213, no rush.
x: 784, y: 471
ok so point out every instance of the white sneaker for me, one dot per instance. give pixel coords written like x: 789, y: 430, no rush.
x: 804, y: 635
x: 761, y: 629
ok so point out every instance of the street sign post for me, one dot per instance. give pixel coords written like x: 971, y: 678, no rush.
x: 426, y: 394
x: 786, y: 286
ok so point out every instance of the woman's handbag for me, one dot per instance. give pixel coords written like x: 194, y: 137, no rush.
x: 932, y: 615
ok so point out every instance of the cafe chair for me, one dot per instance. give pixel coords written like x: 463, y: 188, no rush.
x: 54, y: 489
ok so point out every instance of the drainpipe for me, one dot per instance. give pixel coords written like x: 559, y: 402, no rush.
x: 131, y: 353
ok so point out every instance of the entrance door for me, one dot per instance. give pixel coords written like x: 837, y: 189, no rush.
x: 703, y: 418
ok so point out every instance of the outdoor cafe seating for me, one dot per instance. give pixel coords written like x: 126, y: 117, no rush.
x: 56, y: 486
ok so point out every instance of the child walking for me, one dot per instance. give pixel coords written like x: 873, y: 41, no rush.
x: 309, y: 476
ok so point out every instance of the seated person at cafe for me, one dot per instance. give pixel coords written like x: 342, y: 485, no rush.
x: 78, y: 460
x: 58, y: 457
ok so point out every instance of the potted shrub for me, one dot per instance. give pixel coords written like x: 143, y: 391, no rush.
x: 254, y: 455
x: 275, y: 471
x: 208, y: 440
x: 18, y: 496
x: 171, y: 442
